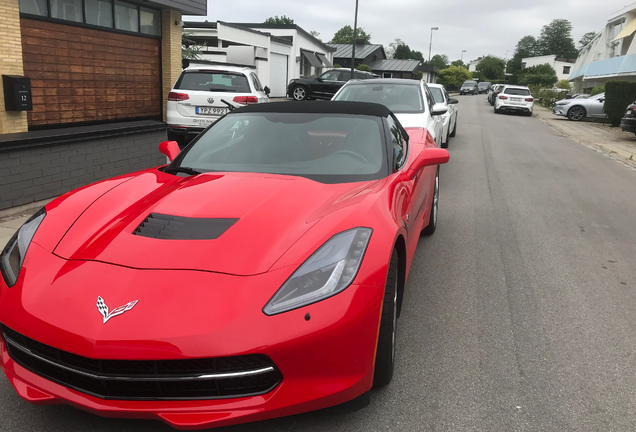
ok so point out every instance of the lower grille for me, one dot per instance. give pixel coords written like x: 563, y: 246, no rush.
x: 192, y: 379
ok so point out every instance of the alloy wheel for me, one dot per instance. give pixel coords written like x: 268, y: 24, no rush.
x: 576, y: 113
x: 300, y: 93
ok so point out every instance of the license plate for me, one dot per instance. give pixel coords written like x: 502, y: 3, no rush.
x: 516, y: 99
x: 210, y: 111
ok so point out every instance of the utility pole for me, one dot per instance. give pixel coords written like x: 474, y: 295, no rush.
x: 353, y: 46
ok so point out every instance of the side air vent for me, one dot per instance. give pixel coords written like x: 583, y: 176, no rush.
x: 166, y: 227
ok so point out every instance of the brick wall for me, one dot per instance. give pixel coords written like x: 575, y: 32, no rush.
x: 45, y: 172
x: 170, y: 51
x: 80, y: 74
x: 10, y: 62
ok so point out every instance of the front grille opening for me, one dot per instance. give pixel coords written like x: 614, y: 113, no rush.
x: 191, y: 379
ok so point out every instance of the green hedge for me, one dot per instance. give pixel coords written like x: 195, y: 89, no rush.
x: 618, y: 94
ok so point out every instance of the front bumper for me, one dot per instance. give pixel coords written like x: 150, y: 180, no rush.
x: 560, y: 110
x: 325, y: 360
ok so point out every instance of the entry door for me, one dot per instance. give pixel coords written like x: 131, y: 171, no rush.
x: 278, y: 75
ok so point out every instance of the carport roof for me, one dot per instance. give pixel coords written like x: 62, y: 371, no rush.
x: 362, y: 51
x: 394, y: 65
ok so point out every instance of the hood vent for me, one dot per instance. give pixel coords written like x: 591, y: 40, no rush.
x: 166, y: 227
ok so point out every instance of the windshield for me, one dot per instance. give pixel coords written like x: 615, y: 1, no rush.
x: 331, y: 148
x: 331, y: 75
x: 399, y: 98
x: 438, y: 95
x: 598, y: 96
x: 468, y: 84
x: 213, y: 81
x: 517, y: 91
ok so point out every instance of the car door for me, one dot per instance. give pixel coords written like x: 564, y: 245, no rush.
x: 595, y: 108
x: 404, y: 190
x: 452, y: 109
x: 326, y: 85
x: 436, y: 123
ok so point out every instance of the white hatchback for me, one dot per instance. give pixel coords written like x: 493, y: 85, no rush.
x: 204, y: 93
x: 514, y: 99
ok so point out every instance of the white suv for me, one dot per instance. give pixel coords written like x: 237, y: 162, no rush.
x: 197, y: 98
x: 514, y: 99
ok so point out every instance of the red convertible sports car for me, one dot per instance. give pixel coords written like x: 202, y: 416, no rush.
x: 259, y: 274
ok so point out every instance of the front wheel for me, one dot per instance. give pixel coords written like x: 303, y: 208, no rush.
x: 577, y: 113
x: 385, y: 352
x: 299, y: 93
x: 432, y: 220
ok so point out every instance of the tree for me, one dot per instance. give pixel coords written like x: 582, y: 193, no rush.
x: 564, y: 84
x: 556, y: 39
x: 417, y: 55
x: 345, y: 36
x: 491, y: 68
x: 189, y: 48
x: 459, y: 63
x: 454, y: 76
x: 402, y: 52
x: 586, y: 39
x: 439, y: 61
x: 390, y: 51
x: 526, y: 47
x: 282, y: 20
x: 315, y: 34
x: 363, y: 67
x: 541, y: 74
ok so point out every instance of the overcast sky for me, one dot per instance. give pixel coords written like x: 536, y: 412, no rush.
x: 480, y: 27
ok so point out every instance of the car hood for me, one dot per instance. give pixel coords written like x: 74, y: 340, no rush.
x: 231, y: 223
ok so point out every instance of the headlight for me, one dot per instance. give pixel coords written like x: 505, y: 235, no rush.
x: 13, y: 254
x: 562, y: 103
x: 328, y: 271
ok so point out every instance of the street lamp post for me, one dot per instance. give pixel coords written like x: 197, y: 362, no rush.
x: 353, y: 46
x: 462, y: 59
x: 430, y: 45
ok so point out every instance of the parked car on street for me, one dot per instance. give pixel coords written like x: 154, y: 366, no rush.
x: 628, y: 122
x: 579, y: 109
x: 449, y: 117
x: 203, y: 94
x: 469, y: 87
x: 493, y: 92
x: 324, y: 86
x: 260, y: 274
x: 411, y: 101
x: 484, y: 86
x: 514, y: 99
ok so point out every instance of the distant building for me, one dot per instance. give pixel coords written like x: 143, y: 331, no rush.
x: 472, y: 66
x: 562, y: 67
x: 365, y: 54
x: 611, y: 55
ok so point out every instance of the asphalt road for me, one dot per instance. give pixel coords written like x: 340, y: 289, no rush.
x: 520, y: 312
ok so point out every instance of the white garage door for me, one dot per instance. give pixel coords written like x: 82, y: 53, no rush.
x: 278, y: 75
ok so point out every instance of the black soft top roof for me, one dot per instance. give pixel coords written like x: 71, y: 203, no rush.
x: 318, y: 107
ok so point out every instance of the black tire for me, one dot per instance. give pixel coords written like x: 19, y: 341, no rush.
x: 445, y: 144
x: 432, y: 220
x: 577, y: 113
x: 496, y: 110
x: 454, y: 132
x: 385, y: 352
x: 299, y: 93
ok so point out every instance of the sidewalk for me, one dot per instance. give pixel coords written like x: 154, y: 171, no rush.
x: 13, y: 218
x: 611, y: 141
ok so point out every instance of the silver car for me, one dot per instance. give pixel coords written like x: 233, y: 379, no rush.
x: 579, y: 109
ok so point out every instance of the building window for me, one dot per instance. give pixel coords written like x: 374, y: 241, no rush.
x: 34, y: 7
x: 70, y: 10
x: 305, y: 66
x: 566, y: 69
x: 99, y: 12
x: 523, y: 65
x: 387, y: 75
x: 150, y: 20
x: 126, y: 16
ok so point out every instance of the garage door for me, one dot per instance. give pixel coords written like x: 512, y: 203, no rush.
x: 278, y: 75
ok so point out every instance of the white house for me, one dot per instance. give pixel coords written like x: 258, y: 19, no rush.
x: 472, y: 66
x: 278, y: 52
x: 562, y: 67
x: 610, y: 55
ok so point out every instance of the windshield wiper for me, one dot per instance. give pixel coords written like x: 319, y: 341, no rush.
x: 182, y: 169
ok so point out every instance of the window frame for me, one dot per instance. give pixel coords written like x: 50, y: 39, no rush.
x: 395, y: 166
x: 84, y: 24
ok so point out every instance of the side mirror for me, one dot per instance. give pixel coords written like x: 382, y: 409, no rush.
x: 319, y: 79
x: 452, y: 101
x: 439, y: 109
x: 170, y: 149
x: 267, y: 90
x: 428, y: 157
